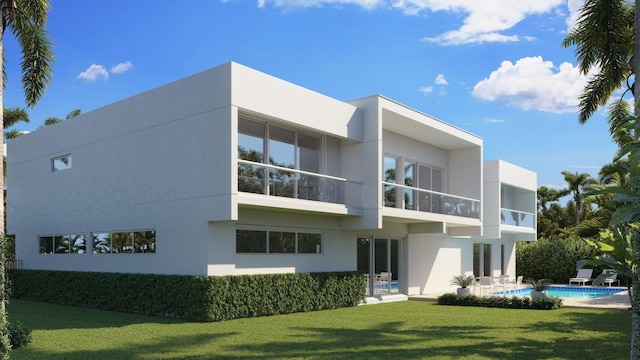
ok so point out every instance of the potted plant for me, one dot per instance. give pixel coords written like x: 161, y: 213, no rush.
x: 463, y: 282
x: 538, y: 288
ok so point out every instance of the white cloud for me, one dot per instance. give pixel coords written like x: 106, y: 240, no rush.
x: 426, y: 90
x: 493, y: 121
x: 485, y: 21
x: 574, y: 10
x: 533, y: 84
x: 367, y: 4
x: 440, y: 80
x: 93, y: 73
x: 122, y: 67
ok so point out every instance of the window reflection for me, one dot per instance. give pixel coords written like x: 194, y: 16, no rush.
x: 128, y: 242
x: 61, y: 162
x: 277, y: 242
x: 62, y: 244
x: 287, y: 149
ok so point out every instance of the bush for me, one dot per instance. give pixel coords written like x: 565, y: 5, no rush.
x: 515, y: 302
x: 19, y: 335
x: 553, y: 259
x: 199, y: 298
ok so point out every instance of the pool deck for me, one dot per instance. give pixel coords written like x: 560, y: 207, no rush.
x: 617, y: 301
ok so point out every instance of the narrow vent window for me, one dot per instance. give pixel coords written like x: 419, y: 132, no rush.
x: 61, y: 163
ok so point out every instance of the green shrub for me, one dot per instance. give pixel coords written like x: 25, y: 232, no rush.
x: 19, y: 335
x: 515, y: 302
x: 448, y: 299
x: 199, y: 298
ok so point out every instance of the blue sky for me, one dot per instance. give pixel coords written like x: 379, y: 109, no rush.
x: 494, y: 68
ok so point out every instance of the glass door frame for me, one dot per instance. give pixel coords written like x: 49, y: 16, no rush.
x: 383, y: 278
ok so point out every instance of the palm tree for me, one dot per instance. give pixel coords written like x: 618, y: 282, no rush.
x: 578, y: 185
x: 604, y: 40
x: 547, y: 195
x: 54, y: 119
x: 26, y: 20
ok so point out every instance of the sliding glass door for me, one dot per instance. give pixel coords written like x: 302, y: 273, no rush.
x: 379, y: 259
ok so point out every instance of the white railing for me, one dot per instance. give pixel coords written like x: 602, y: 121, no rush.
x: 412, y: 198
x: 517, y: 218
x: 274, y: 180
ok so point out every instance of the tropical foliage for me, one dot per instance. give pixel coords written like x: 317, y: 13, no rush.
x: 26, y: 21
x: 606, y: 41
x: 462, y: 281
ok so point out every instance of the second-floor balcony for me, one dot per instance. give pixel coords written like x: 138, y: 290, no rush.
x: 517, y: 218
x: 416, y: 199
x: 266, y: 179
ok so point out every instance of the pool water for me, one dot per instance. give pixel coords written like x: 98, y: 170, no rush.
x: 572, y: 292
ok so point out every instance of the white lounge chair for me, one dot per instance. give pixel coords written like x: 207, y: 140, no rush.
x: 611, y: 278
x: 583, y: 277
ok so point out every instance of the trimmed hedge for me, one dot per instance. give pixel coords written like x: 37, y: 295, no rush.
x: 515, y: 302
x: 199, y: 298
x: 553, y: 259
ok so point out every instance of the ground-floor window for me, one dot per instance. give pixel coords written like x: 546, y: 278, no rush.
x: 63, y: 244
x: 126, y: 242
x: 277, y: 242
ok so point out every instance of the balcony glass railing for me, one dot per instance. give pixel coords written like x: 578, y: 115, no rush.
x: 517, y: 218
x: 411, y: 198
x: 273, y: 180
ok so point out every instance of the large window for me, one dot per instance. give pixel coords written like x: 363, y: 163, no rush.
x: 282, y: 153
x: 294, y: 157
x: 389, y: 168
x: 128, y: 242
x: 251, y: 148
x: 277, y: 242
x: 415, y: 175
x: 63, y: 244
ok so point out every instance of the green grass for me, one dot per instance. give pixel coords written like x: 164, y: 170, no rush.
x: 404, y: 330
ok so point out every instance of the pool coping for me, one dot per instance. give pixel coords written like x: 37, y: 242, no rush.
x: 617, y: 301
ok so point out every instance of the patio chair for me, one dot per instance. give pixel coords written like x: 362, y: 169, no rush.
x: 611, y: 278
x: 382, y: 281
x: 485, y: 284
x: 519, y: 282
x: 583, y: 277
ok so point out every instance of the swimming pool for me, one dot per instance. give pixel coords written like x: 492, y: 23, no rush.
x: 571, y: 292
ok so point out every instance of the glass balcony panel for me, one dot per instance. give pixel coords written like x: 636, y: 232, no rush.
x: 431, y: 201
x: 289, y: 183
x: 282, y: 183
x: 390, y: 195
x: 251, y: 178
x: 517, y: 218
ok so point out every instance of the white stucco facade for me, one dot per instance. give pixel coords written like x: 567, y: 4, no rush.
x: 328, y: 184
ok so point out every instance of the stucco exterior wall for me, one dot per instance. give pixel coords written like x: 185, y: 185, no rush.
x: 434, y: 259
x: 338, y: 247
x: 157, y: 161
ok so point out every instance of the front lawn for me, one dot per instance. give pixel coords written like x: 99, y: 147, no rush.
x: 404, y: 330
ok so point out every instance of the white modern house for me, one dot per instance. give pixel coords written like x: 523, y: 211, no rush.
x: 232, y: 171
